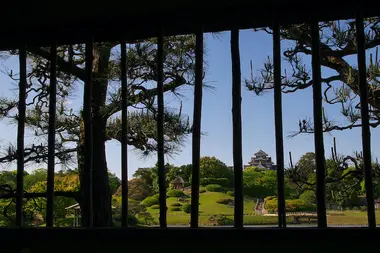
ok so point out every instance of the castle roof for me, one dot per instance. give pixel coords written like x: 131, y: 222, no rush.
x: 260, y: 153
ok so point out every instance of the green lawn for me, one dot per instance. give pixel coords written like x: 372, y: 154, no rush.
x: 208, y: 207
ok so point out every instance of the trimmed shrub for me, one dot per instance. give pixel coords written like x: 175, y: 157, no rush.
x: 186, y: 208
x: 155, y: 207
x: 308, y: 196
x: 150, y: 201
x: 224, y: 201
x: 220, y: 181
x: 202, y: 190
x: 175, y: 209
x: 176, y: 204
x: 230, y: 193
x: 291, y: 205
x: 175, y: 193
x: 214, y: 188
x: 221, y: 220
x: 270, y: 197
x: 132, y: 220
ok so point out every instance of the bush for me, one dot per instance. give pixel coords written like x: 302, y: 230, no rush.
x: 132, y: 220
x: 155, y: 207
x: 363, y: 208
x: 214, y: 188
x: 176, y: 204
x: 175, y: 209
x: 221, y: 220
x: 355, y: 208
x: 308, y: 196
x: 230, y: 193
x: 186, y: 208
x: 150, y: 201
x: 270, y: 197
x: 224, y: 201
x: 291, y: 205
x: 202, y: 190
x: 220, y: 181
x: 175, y: 193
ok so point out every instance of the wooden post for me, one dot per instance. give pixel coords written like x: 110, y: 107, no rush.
x: 124, y: 138
x: 88, y: 154
x: 20, y: 137
x: 196, y: 135
x: 278, y: 124
x: 160, y: 129
x: 237, y: 129
x: 318, y: 125
x: 51, y: 136
x: 366, y: 132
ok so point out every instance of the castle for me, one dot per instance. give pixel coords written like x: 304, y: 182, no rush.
x: 261, y: 160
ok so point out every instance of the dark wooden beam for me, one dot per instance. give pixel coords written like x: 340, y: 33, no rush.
x: 318, y: 125
x: 237, y: 129
x: 196, y: 133
x: 51, y: 136
x: 278, y: 124
x: 88, y: 150
x: 124, y: 137
x: 160, y: 129
x: 366, y: 132
x: 21, y: 136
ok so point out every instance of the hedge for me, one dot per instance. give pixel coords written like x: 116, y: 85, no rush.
x: 221, y: 220
x: 176, y: 204
x: 151, y: 200
x: 155, y: 207
x: 186, y: 208
x: 175, y: 193
x: 175, y: 209
x: 291, y: 205
x: 214, y: 188
x: 220, y: 181
x: 224, y: 201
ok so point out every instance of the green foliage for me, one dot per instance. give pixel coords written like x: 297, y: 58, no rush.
x: 114, y: 182
x: 155, y: 207
x: 211, y: 167
x: 214, y: 188
x: 202, y: 190
x: 221, y: 220
x: 291, y: 205
x: 230, y: 193
x: 175, y: 209
x: 175, y: 193
x: 220, y: 181
x: 308, y: 196
x: 151, y: 200
x: 176, y: 204
x: 270, y: 197
x: 186, y: 208
x: 146, y: 217
x: 224, y: 201
x: 259, y: 184
x: 137, y: 189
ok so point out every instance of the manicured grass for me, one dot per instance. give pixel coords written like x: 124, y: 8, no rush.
x: 208, y: 207
x: 349, y: 218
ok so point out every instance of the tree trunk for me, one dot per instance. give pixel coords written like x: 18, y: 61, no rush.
x: 101, y: 194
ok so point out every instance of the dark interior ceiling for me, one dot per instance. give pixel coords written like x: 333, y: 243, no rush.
x: 74, y: 22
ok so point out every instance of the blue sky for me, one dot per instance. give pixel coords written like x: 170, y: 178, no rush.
x: 257, y: 111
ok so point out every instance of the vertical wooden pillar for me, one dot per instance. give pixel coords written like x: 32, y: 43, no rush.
x: 51, y: 136
x: 88, y: 151
x: 21, y: 137
x: 196, y: 144
x: 124, y: 139
x: 318, y: 125
x: 237, y: 129
x: 160, y: 129
x: 278, y: 124
x: 366, y: 132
